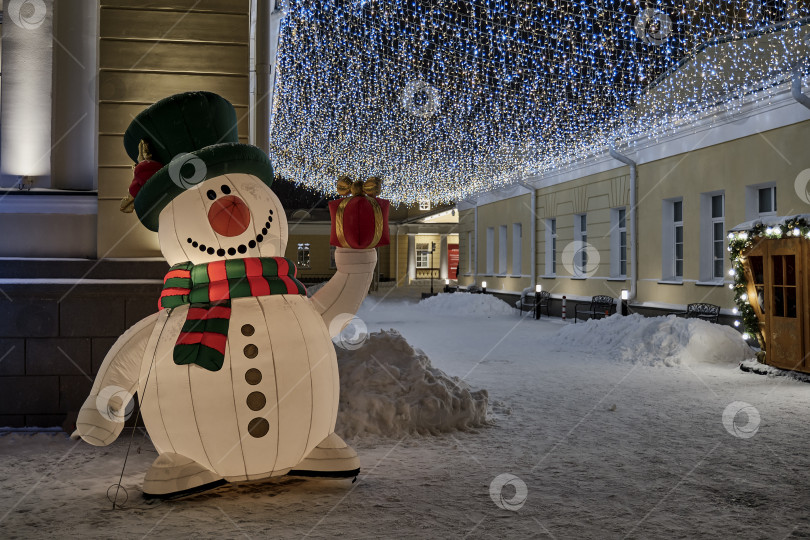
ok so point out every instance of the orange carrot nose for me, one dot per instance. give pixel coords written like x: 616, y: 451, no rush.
x: 229, y: 216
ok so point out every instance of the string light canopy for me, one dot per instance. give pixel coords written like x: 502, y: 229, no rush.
x: 444, y: 99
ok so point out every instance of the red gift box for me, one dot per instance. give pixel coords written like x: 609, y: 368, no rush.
x: 359, y: 221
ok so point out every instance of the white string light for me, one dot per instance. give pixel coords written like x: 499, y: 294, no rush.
x: 446, y: 99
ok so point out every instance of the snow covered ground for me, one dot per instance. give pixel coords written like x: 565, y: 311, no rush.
x: 609, y: 439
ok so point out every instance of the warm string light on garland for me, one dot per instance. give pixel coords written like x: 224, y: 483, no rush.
x: 446, y: 99
x: 739, y: 242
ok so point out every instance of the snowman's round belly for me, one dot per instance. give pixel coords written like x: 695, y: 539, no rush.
x: 272, y: 401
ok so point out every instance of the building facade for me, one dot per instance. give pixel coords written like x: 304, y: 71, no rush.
x: 691, y: 188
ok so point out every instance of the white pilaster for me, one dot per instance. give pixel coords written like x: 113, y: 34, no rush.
x: 443, y: 257
x: 27, y: 59
x: 411, y: 257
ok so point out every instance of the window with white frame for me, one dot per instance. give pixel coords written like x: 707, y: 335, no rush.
x: 618, y: 242
x: 423, y: 254
x: 712, y: 236
x: 719, y: 234
x: 502, y: 232
x: 672, y: 240
x: 760, y: 200
x: 581, y: 234
x: 677, y: 224
x: 470, y: 252
x: 303, y: 255
x: 517, y: 244
x: 551, y: 246
x: 424, y: 204
x: 490, y: 250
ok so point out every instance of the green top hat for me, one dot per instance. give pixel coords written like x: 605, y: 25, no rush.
x: 194, y: 136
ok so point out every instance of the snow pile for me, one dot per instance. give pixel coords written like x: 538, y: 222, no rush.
x: 389, y: 388
x: 461, y: 303
x: 655, y: 340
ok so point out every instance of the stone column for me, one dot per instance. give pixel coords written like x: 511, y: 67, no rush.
x: 411, y: 257
x: 27, y: 59
x: 443, y: 257
x: 75, y: 57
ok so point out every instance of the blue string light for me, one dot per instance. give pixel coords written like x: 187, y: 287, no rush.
x: 443, y: 99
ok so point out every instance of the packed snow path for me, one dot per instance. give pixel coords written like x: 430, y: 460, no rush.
x: 607, y: 448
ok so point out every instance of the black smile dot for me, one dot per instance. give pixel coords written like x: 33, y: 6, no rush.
x: 210, y: 251
x: 231, y: 251
x: 271, y: 219
x: 241, y: 248
x: 259, y: 238
x: 194, y: 244
x: 220, y: 252
x: 267, y: 225
x: 264, y: 231
x: 225, y: 189
x: 252, y: 244
x: 202, y: 247
x: 271, y: 212
x: 189, y: 240
x: 211, y: 194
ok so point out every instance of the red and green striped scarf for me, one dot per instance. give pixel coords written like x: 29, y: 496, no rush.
x: 208, y: 288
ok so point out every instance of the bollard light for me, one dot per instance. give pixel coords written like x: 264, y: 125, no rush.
x: 484, y: 287
x: 625, y: 294
x: 625, y: 297
x: 537, y: 289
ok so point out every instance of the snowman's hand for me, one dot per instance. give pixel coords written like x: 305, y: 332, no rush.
x: 96, y: 426
x: 75, y: 436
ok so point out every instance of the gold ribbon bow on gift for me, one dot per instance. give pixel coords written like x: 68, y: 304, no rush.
x: 368, y: 189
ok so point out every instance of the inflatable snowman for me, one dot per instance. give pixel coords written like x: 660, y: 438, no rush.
x: 236, y: 373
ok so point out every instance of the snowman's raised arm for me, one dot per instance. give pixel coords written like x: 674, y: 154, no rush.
x: 344, y: 293
x: 101, y: 418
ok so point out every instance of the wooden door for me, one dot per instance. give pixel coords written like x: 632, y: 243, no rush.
x: 452, y: 261
x: 784, y: 281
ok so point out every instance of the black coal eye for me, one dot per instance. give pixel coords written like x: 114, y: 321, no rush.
x: 211, y: 194
x: 226, y: 190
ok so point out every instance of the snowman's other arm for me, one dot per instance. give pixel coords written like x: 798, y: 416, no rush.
x: 101, y: 418
x: 344, y: 293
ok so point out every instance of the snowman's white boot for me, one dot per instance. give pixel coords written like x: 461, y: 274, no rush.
x: 173, y: 475
x: 331, y: 458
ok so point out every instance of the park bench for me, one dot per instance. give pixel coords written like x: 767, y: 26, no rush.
x: 700, y: 310
x: 600, y: 306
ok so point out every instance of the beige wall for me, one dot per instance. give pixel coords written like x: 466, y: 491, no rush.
x: 732, y: 167
x: 506, y: 212
x: 773, y: 156
x: 149, y: 50
x: 594, y: 196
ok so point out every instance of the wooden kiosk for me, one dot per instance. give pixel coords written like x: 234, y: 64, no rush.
x: 771, y: 261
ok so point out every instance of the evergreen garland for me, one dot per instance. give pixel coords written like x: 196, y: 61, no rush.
x: 739, y: 243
